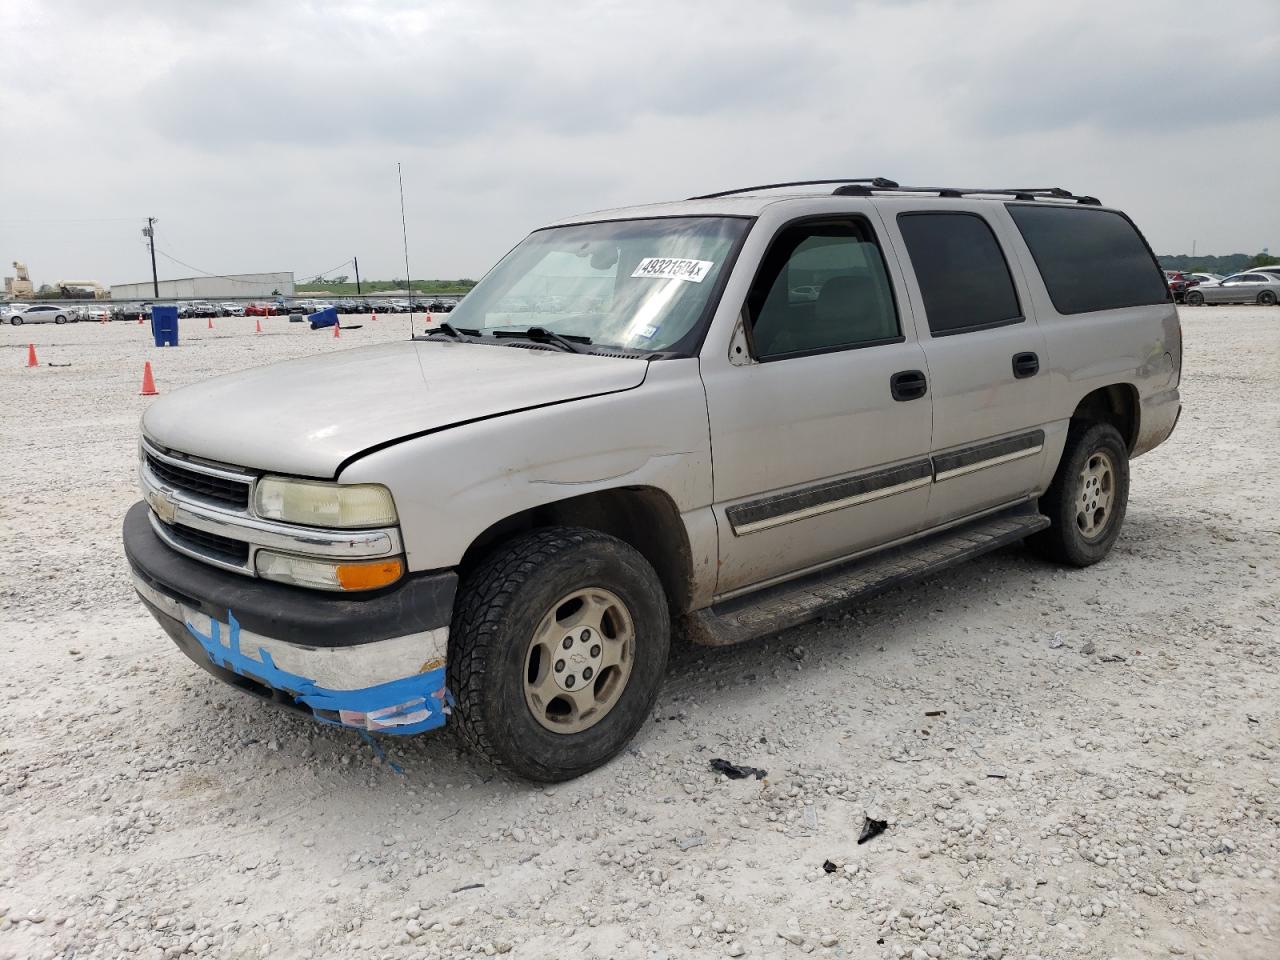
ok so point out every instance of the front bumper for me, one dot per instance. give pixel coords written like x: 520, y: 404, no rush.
x: 372, y: 662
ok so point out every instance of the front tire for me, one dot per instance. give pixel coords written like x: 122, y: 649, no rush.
x: 1087, y: 499
x: 59, y: 319
x: 15, y: 321
x: 557, y: 649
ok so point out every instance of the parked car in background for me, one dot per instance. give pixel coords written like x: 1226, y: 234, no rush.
x: 259, y: 310
x: 8, y: 309
x: 1205, y: 277
x: 1249, y: 287
x: 96, y: 314
x: 232, y: 309
x: 1178, y: 284
x: 42, y: 313
x: 132, y: 312
x: 1265, y: 271
x: 203, y: 308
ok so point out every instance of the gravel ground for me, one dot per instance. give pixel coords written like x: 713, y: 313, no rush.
x: 1072, y: 764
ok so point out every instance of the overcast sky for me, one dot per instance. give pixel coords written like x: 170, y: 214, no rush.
x: 265, y: 135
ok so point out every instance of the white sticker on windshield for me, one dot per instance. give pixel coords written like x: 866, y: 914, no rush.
x: 673, y: 268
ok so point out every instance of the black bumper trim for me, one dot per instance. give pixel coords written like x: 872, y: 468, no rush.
x: 305, y: 617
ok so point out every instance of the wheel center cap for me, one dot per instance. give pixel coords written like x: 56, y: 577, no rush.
x: 578, y: 659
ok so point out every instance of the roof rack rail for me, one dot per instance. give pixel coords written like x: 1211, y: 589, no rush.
x: 879, y: 183
x: 858, y: 189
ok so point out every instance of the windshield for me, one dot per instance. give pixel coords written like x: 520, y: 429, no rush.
x: 637, y: 284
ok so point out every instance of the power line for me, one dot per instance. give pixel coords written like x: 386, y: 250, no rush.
x: 235, y: 279
x: 320, y: 275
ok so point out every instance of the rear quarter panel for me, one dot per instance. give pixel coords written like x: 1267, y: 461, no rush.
x: 1136, y: 346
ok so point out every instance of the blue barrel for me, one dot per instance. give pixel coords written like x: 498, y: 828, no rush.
x: 164, y: 325
x: 327, y: 317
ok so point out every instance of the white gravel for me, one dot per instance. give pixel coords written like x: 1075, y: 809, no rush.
x: 1103, y: 783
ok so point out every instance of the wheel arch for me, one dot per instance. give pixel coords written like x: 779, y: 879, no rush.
x: 1117, y: 404
x: 644, y: 517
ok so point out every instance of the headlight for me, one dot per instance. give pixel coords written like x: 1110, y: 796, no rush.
x: 324, y: 504
x: 326, y: 575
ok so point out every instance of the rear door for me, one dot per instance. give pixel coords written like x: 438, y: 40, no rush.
x: 985, y: 355
x: 819, y: 408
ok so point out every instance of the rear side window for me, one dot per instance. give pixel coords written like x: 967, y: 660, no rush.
x: 962, y: 273
x: 1090, y: 259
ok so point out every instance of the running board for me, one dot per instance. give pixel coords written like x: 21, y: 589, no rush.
x: 806, y: 598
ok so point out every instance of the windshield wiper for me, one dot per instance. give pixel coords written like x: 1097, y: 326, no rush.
x: 452, y: 332
x: 565, y: 341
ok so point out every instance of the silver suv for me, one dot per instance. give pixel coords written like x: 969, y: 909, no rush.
x: 732, y: 414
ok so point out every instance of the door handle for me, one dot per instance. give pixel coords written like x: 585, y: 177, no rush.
x: 1025, y: 365
x: 908, y: 385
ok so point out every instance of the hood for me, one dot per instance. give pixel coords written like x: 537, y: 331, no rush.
x: 307, y: 416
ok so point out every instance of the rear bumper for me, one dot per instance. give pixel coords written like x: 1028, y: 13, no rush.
x: 376, y: 663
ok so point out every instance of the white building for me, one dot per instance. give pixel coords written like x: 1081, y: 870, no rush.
x: 209, y: 288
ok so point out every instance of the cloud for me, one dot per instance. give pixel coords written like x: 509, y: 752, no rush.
x: 396, y: 88
x: 1165, y: 72
x: 266, y: 134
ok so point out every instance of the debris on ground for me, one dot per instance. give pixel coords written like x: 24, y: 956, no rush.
x: 871, y: 829
x: 829, y: 867
x: 735, y: 772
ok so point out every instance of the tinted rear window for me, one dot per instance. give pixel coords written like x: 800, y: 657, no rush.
x: 1090, y: 259
x: 962, y: 273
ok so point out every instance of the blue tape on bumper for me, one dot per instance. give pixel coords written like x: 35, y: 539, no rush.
x: 418, y: 700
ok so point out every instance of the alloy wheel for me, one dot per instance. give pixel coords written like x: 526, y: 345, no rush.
x: 579, y: 660
x: 1097, y: 493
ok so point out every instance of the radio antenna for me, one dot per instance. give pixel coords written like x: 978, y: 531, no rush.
x: 404, y: 232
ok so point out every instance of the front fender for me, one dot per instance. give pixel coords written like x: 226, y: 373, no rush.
x: 452, y: 485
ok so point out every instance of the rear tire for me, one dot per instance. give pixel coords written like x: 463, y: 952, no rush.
x: 1267, y: 298
x: 1087, y: 499
x: 512, y: 609
x: 1195, y: 298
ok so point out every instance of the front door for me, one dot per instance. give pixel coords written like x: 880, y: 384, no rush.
x: 821, y: 423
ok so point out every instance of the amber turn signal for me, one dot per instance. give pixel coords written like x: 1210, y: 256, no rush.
x: 369, y: 576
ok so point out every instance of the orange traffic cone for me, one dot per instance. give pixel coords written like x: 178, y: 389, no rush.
x: 373, y: 315
x: 211, y: 323
x: 139, y: 319
x: 148, y: 382
x: 31, y: 356
x: 337, y: 332
x: 258, y: 325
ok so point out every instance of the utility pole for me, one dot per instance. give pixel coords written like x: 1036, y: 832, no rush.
x: 356, y: 261
x: 150, y: 234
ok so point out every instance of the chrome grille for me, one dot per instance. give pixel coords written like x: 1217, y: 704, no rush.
x: 210, y: 544
x: 232, y: 493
